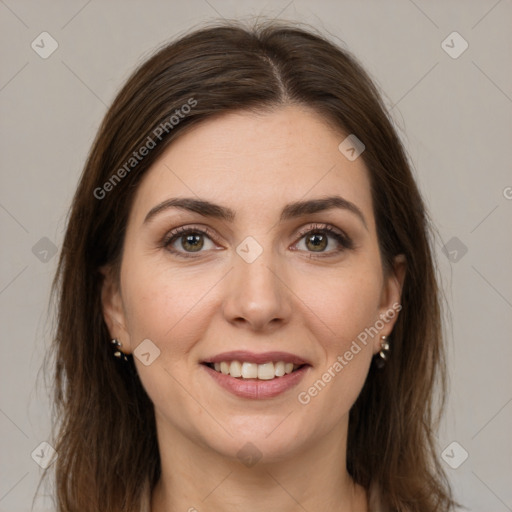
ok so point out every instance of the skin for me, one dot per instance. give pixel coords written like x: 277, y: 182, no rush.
x: 289, y: 300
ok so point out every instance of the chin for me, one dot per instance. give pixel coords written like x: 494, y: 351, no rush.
x: 265, y: 441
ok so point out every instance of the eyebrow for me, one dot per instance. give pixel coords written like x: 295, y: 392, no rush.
x: 290, y: 211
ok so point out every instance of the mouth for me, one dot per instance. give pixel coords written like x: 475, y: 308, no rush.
x: 245, y: 370
x: 242, y: 364
x: 256, y: 376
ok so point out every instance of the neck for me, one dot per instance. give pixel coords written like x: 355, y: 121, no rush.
x: 196, y: 478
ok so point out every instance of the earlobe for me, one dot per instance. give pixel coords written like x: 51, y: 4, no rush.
x: 112, y: 307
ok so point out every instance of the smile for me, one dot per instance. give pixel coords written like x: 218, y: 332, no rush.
x: 253, y: 375
x: 247, y: 370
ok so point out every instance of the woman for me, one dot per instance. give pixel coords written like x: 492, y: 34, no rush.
x: 248, y: 309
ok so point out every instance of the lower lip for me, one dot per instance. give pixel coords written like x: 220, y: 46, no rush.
x: 258, y: 389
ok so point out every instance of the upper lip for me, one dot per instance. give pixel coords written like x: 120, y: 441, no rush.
x: 251, y: 357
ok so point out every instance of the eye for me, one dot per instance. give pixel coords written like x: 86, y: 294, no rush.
x: 317, y: 240
x: 185, y: 241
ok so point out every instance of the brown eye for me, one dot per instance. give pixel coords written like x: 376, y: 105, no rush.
x: 316, y: 242
x: 318, y: 238
x: 192, y: 242
x: 185, y: 241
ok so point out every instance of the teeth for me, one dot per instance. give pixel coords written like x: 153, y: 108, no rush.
x: 245, y: 370
x: 235, y: 369
x: 279, y: 368
x: 249, y: 370
x: 266, y: 371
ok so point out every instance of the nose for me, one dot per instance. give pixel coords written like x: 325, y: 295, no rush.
x: 257, y: 296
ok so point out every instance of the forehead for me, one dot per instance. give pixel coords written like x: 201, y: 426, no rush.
x: 248, y: 161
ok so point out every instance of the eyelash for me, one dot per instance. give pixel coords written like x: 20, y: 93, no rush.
x: 344, y: 241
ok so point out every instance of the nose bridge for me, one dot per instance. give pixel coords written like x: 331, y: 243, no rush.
x: 257, y: 294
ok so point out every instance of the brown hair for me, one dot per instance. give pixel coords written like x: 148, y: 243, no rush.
x: 106, y: 437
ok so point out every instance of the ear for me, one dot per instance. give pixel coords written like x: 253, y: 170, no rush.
x: 112, y: 308
x: 390, y: 299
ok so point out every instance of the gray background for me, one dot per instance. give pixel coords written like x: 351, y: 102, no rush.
x: 454, y: 115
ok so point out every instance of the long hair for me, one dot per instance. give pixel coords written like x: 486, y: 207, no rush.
x: 104, y: 426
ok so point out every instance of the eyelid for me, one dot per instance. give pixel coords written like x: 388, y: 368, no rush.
x: 176, y: 233
x: 341, y: 237
x: 328, y: 228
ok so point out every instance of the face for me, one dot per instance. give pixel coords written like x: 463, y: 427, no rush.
x: 269, y: 282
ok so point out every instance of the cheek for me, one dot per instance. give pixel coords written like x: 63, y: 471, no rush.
x: 170, y: 308
x: 346, y: 303
x: 343, y: 311
x: 163, y: 305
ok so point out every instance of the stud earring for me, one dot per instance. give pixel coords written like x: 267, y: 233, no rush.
x: 383, y: 355
x: 117, y: 344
